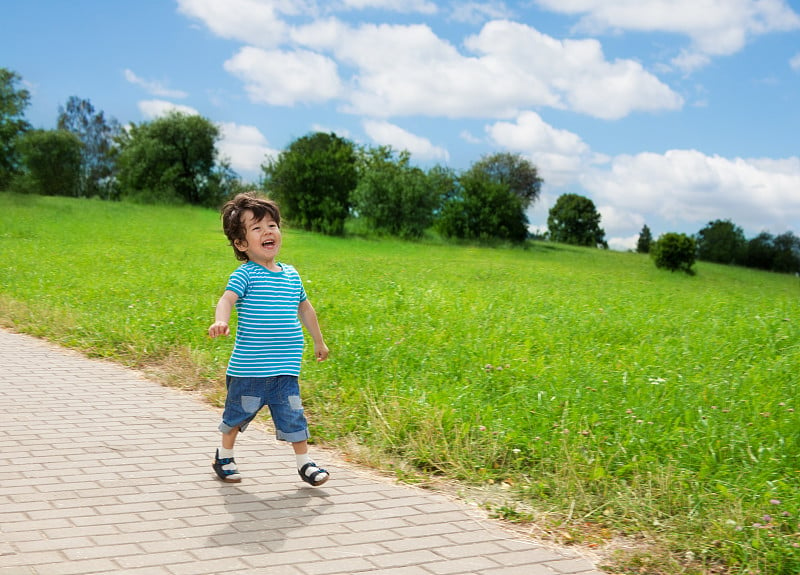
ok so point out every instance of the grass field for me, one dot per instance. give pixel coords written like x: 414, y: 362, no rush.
x: 598, y: 395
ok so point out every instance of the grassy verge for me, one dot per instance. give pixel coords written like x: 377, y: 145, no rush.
x: 598, y: 394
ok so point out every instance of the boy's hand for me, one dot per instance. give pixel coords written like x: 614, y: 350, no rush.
x: 219, y: 328
x: 321, y: 352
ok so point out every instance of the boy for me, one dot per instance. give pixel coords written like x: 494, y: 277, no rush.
x: 264, y: 367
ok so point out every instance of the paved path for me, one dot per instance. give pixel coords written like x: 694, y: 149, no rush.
x: 106, y: 472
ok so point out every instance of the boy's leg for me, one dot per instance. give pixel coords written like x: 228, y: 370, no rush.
x: 246, y: 397
x: 229, y: 439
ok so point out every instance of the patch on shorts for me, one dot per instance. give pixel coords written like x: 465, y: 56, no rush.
x: 294, y: 402
x: 250, y: 403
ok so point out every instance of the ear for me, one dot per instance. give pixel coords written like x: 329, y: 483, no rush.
x: 240, y: 245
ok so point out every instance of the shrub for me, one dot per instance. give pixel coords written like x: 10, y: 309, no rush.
x: 674, y: 252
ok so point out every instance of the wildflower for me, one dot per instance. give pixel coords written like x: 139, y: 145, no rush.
x: 767, y: 518
x: 482, y: 428
x: 775, y: 501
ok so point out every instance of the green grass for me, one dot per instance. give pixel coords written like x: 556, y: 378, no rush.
x: 604, y: 395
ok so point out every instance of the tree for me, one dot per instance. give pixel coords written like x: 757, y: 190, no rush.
x: 674, y: 252
x: 444, y: 183
x: 574, y: 220
x: 645, y: 239
x: 13, y: 101
x: 312, y: 181
x: 171, y: 159
x: 98, y: 136
x: 52, y: 163
x: 511, y: 170
x: 483, y: 209
x: 393, y: 196
x: 760, y: 252
x: 722, y: 242
x: 787, y: 253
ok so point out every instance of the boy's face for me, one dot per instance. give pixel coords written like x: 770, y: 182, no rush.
x: 262, y: 239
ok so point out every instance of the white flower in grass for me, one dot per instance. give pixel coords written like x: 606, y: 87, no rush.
x: 656, y: 380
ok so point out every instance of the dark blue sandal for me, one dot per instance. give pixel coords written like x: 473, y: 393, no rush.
x: 312, y: 479
x: 231, y: 474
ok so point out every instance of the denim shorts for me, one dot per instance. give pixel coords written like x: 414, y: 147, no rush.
x: 247, y: 395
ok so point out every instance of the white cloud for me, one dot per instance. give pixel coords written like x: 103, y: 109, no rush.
x: 152, y: 87
x: 613, y: 218
x: 245, y: 147
x: 386, y: 134
x: 467, y: 136
x: 687, y: 187
x: 406, y: 6
x: 151, y: 109
x: 623, y: 244
x: 715, y: 27
x: 283, y: 78
x: 559, y: 155
x: 794, y: 63
x: 409, y: 70
x: 477, y: 12
x: 254, y: 22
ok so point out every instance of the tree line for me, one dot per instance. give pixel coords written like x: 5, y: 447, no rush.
x: 323, y: 182
x: 723, y: 242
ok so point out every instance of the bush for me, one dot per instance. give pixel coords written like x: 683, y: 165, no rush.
x: 674, y: 252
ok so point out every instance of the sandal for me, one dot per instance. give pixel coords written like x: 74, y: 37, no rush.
x: 226, y: 469
x: 312, y: 479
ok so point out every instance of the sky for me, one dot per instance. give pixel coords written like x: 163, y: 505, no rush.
x: 665, y: 113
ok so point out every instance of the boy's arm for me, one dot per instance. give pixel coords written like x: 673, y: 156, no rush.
x: 222, y: 315
x: 309, y: 318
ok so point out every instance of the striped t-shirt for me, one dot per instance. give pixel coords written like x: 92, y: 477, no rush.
x: 269, y: 337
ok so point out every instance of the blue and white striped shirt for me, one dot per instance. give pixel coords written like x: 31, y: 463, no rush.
x: 269, y: 336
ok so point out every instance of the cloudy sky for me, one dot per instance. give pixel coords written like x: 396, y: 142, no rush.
x: 670, y: 113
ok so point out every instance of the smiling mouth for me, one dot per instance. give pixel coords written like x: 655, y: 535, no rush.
x: 268, y: 244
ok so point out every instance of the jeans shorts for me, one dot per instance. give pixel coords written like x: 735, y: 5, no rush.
x: 247, y: 395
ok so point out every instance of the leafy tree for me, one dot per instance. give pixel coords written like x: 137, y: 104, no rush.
x: 393, y: 196
x: 674, y: 252
x: 312, y: 180
x: 721, y: 241
x: 52, y: 163
x: 98, y: 136
x: 575, y: 220
x: 645, y: 239
x: 512, y: 170
x: 444, y: 183
x: 787, y: 253
x: 171, y: 159
x: 13, y: 101
x: 483, y: 209
x: 761, y: 251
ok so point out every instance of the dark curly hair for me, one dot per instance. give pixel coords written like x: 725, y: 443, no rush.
x: 233, y: 217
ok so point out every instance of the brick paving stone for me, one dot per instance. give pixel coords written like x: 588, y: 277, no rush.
x: 147, y: 502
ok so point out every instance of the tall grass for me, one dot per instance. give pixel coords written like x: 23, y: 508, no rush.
x: 605, y: 395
